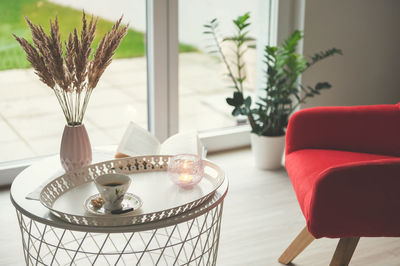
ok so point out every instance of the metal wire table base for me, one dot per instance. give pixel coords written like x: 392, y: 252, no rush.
x: 192, y: 242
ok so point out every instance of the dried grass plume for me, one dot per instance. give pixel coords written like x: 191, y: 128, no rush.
x: 71, y: 75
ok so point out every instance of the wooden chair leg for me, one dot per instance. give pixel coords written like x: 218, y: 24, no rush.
x: 344, y: 251
x: 303, y: 239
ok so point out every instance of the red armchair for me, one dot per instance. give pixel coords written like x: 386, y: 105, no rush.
x: 344, y: 164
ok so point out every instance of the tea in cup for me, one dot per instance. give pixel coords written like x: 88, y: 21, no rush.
x: 112, y: 188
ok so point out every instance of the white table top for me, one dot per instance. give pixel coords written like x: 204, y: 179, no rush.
x: 50, y: 168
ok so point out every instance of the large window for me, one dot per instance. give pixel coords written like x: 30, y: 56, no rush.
x: 165, y: 41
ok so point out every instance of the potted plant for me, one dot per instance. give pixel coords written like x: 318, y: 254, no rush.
x: 268, y: 116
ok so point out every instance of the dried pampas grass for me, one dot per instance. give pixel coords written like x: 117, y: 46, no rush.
x: 71, y: 75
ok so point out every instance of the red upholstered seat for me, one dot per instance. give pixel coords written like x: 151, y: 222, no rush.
x: 344, y: 164
x: 345, y: 193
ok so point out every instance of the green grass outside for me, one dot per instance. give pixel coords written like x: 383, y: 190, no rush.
x: 12, y: 20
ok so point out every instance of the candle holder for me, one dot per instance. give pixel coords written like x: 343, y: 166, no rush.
x: 186, y: 170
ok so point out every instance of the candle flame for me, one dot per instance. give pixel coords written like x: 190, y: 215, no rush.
x: 186, y: 177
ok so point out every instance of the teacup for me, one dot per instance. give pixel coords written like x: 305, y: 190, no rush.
x: 112, y: 188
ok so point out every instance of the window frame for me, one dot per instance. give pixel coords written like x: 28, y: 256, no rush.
x: 162, y: 52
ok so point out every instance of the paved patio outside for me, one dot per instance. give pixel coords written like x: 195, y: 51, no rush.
x: 31, y: 121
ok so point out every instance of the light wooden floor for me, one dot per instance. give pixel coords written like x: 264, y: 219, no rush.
x: 261, y: 217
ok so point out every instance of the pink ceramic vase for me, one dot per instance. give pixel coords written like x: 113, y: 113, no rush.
x: 75, y: 151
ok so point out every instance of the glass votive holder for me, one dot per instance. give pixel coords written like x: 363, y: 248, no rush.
x: 186, y: 170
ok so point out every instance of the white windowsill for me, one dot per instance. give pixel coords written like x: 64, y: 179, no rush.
x: 9, y: 170
x: 214, y: 140
x: 226, y: 138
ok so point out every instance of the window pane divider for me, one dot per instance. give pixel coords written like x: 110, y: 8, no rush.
x: 162, y: 67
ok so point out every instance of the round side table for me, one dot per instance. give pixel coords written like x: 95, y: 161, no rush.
x: 190, y: 238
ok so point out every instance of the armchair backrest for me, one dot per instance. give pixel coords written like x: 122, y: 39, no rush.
x: 370, y: 129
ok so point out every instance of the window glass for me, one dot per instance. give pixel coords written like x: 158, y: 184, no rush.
x: 31, y: 120
x: 204, y: 84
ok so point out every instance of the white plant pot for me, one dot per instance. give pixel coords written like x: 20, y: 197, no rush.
x: 267, y: 151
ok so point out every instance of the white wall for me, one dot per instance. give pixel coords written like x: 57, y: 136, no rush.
x: 368, y: 33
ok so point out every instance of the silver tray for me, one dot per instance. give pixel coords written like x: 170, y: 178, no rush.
x: 65, y: 195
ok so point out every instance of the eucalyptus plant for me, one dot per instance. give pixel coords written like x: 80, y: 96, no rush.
x: 269, y: 115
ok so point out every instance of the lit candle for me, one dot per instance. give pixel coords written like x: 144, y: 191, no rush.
x: 186, y: 170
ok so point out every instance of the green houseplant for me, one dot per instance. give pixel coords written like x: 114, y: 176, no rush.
x: 268, y: 115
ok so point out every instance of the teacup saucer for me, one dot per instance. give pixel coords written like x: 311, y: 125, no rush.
x: 130, y: 201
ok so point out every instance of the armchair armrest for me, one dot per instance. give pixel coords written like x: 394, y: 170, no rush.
x: 360, y: 199
x: 369, y: 129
